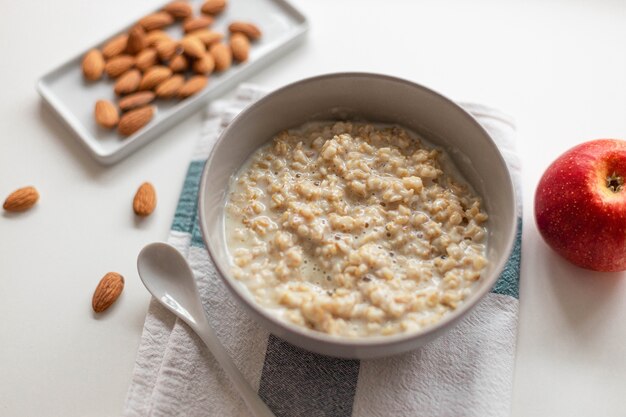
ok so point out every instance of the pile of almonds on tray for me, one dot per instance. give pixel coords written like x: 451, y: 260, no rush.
x: 147, y: 63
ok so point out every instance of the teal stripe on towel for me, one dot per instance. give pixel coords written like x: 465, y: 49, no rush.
x: 196, y: 236
x: 508, y: 283
x: 187, y: 209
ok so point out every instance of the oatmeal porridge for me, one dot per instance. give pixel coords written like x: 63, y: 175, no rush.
x: 354, y: 229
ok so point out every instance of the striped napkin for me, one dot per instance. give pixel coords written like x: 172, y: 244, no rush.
x: 467, y: 372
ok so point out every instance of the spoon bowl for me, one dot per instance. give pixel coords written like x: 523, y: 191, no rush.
x: 168, y: 277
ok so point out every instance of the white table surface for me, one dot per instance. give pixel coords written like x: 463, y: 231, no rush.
x: 558, y: 67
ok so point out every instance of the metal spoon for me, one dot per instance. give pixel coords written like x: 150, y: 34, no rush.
x: 167, y: 275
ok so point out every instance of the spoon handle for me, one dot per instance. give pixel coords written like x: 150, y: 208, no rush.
x: 256, y: 405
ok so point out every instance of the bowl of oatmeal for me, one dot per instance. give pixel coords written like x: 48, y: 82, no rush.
x: 357, y: 215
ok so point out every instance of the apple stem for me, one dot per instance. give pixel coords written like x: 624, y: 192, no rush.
x: 614, y: 182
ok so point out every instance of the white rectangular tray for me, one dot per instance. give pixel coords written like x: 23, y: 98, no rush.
x: 73, y: 99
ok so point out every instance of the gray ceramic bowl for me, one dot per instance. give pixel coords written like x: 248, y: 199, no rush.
x: 375, y: 98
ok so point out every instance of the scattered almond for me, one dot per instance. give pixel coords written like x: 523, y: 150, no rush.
x: 157, y: 20
x: 170, y: 87
x: 207, y: 36
x: 108, y: 290
x: 146, y: 59
x: 118, y: 65
x: 155, y: 36
x: 136, y: 40
x: 213, y: 7
x: 106, y: 114
x: 154, y: 76
x: 193, y: 46
x: 93, y: 65
x: 240, y: 46
x: 196, y: 23
x: 135, y: 100
x: 128, y: 82
x: 178, y: 9
x: 248, y: 29
x: 179, y: 63
x: 204, y: 65
x: 134, y: 120
x: 222, y: 56
x: 193, y: 85
x: 21, y: 199
x: 166, y: 48
x: 144, y: 202
x: 115, y: 46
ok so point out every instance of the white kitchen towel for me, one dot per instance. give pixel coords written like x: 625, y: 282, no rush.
x: 467, y: 372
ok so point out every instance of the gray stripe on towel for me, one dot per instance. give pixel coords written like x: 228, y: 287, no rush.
x: 297, y: 383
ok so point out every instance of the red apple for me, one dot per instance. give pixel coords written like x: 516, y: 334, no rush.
x: 580, y: 205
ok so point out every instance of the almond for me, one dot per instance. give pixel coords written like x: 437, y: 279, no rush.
x: 240, y: 46
x: 155, y: 36
x: 93, y: 65
x: 108, y: 290
x: 134, y: 120
x: 144, y: 202
x: 115, y: 46
x: 135, y: 100
x: 146, y: 59
x: 213, y: 6
x: 128, y: 82
x: 248, y: 29
x: 156, y: 20
x: 193, y: 46
x: 136, y: 40
x: 106, y: 114
x: 170, y: 87
x: 166, y: 48
x: 204, y: 65
x: 222, y: 56
x: 21, y: 200
x: 154, y: 76
x: 178, y: 9
x: 179, y: 63
x: 118, y: 65
x: 195, y: 23
x: 207, y: 36
x: 193, y: 85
